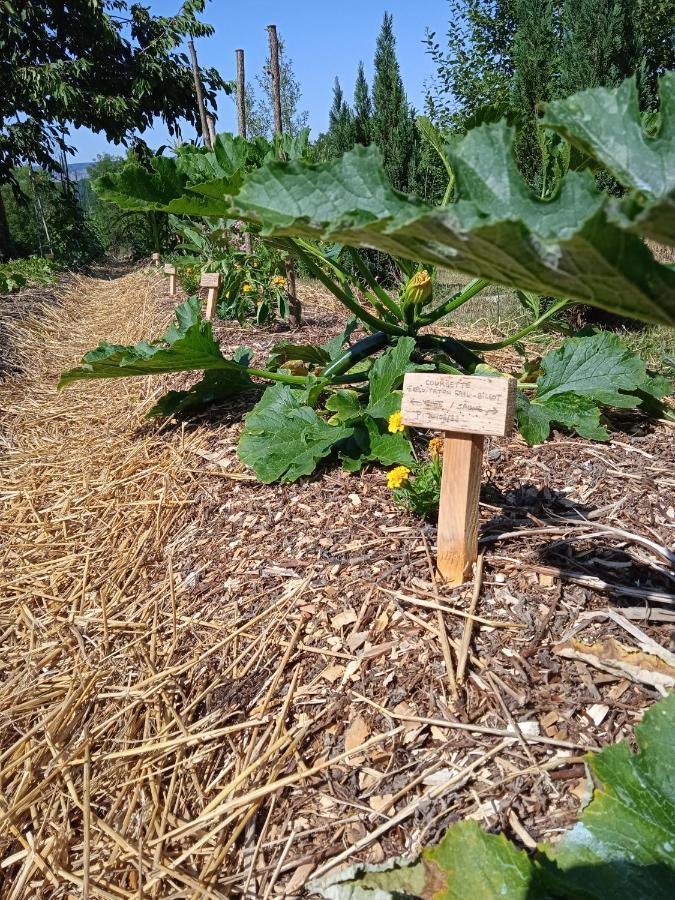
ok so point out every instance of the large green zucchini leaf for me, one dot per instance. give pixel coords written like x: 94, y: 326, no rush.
x: 187, y: 344
x: 623, y: 846
x: 580, y: 377
x: 497, y: 230
x: 283, y: 438
x: 606, y: 124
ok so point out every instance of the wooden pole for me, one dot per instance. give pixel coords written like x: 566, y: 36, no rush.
x: 206, y: 136
x: 155, y: 260
x: 276, y: 78
x: 241, y: 122
x: 293, y: 302
x: 458, y: 510
x: 241, y: 93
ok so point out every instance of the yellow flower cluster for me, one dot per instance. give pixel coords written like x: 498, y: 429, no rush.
x: 397, y: 476
x: 248, y: 288
x: 395, y: 424
x: 279, y: 281
x: 435, y: 447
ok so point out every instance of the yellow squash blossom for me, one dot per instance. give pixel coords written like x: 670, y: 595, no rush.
x: 418, y: 289
x: 248, y: 289
x: 397, y: 476
x: 395, y: 424
x: 435, y: 447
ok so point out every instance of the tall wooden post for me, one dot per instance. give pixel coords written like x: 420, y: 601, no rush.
x: 275, y: 69
x: 241, y: 122
x: 241, y: 94
x: 206, y: 134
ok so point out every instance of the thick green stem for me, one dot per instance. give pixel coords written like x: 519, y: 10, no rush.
x: 514, y: 338
x: 367, y: 275
x: 473, y: 287
x: 345, y: 298
x: 278, y: 376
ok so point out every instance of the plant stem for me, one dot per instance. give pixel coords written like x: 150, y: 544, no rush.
x: 366, y: 274
x: 473, y: 287
x: 345, y: 298
x: 507, y: 342
x: 278, y: 376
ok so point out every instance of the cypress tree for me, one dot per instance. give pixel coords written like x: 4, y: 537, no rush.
x: 600, y: 44
x: 535, y: 49
x: 363, y: 109
x: 393, y: 121
x: 340, y: 123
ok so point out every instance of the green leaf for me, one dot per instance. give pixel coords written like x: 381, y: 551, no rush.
x: 283, y: 438
x: 286, y: 351
x: 624, y: 845
x: 438, y: 141
x: 579, y: 378
x: 469, y: 863
x: 345, y: 405
x: 187, y: 344
x: 372, y: 443
x: 216, y: 386
x: 387, y: 374
x: 572, y: 245
x: 607, y: 124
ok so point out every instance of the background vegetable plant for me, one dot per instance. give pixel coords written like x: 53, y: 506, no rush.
x: 581, y: 245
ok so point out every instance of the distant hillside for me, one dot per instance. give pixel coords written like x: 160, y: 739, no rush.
x: 79, y: 171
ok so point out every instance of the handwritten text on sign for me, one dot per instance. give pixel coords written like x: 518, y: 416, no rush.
x: 470, y: 404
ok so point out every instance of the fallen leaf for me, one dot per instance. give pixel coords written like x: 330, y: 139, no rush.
x: 358, y: 731
x: 378, y: 803
x: 347, y: 617
x: 612, y: 656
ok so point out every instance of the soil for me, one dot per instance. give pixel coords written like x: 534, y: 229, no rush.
x: 188, y: 654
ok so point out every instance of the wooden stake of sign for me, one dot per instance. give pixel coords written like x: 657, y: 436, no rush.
x: 464, y: 408
x: 211, y: 281
x: 155, y: 260
x: 171, y: 272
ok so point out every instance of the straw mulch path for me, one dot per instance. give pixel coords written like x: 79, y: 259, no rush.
x: 211, y: 687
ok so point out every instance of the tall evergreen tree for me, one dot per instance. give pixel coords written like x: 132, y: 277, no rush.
x: 600, y: 44
x: 340, y: 123
x: 363, y: 109
x: 393, y: 122
x: 534, y: 56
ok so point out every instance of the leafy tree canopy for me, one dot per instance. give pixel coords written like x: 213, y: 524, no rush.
x: 110, y: 66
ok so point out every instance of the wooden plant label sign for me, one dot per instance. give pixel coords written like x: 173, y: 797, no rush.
x: 171, y: 272
x: 211, y: 281
x: 470, y: 404
x: 465, y: 408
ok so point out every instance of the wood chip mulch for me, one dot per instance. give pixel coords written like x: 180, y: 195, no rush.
x: 212, y: 687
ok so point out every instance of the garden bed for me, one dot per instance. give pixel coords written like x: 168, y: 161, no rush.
x: 188, y: 654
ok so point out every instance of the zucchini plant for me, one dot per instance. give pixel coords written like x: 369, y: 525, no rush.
x: 579, y: 245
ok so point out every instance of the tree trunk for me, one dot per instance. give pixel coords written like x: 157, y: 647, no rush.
x: 206, y: 135
x: 5, y: 239
x: 293, y: 303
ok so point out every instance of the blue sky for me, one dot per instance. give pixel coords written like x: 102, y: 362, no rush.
x: 324, y: 39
